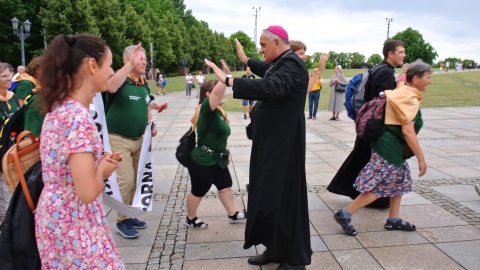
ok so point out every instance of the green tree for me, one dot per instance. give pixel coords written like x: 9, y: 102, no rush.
x: 9, y: 43
x: 415, y: 46
x: 112, y: 27
x: 174, y: 30
x: 374, y: 59
x: 55, y: 16
x: 163, y: 52
x: 136, y: 30
x: 356, y: 60
x: 84, y: 20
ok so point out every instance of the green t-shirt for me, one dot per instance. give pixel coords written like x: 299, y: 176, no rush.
x: 33, y: 116
x: 14, y: 106
x: 24, y: 88
x: 215, y: 139
x: 128, y: 113
x: 388, y: 145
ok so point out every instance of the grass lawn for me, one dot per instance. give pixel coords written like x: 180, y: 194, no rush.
x: 447, y: 89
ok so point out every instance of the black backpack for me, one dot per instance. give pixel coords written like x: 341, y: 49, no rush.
x: 18, y: 246
x: 15, y: 123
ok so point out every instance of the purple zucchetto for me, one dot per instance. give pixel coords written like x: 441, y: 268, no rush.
x: 279, y: 31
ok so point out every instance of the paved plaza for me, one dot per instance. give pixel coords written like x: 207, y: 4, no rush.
x: 444, y: 205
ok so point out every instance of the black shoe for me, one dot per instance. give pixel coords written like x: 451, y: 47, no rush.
x: 245, y: 116
x: 345, y: 223
x: 260, y: 260
x: 287, y: 266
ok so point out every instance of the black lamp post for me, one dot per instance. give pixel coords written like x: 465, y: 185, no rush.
x: 21, y: 34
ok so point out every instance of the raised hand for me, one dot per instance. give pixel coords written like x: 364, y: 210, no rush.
x: 241, y: 54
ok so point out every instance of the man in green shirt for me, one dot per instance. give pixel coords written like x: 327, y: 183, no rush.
x: 128, y: 113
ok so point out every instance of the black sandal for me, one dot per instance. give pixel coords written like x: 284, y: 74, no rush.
x: 400, y: 225
x: 195, y: 223
x: 345, y: 223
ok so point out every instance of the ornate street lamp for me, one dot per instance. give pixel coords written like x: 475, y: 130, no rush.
x: 21, y: 34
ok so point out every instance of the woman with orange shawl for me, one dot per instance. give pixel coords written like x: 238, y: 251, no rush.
x: 387, y: 174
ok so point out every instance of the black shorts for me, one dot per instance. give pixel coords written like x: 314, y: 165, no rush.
x: 202, y: 178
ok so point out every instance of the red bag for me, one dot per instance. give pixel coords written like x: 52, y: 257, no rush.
x: 370, y: 121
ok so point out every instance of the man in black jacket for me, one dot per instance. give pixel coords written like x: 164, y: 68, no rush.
x: 381, y: 78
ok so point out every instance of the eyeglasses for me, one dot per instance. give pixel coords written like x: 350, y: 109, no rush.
x: 6, y: 76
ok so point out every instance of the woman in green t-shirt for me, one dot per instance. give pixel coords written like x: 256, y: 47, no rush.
x: 387, y: 174
x: 210, y: 158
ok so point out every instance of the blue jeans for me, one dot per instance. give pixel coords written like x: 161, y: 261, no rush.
x: 313, y: 98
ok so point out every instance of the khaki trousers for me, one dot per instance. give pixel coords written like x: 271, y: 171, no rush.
x: 127, y: 170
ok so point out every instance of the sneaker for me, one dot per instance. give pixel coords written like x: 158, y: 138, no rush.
x: 237, y: 216
x: 137, y: 224
x: 126, y: 230
x: 195, y: 223
x: 245, y: 116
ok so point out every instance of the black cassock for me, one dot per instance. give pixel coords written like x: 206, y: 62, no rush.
x: 277, y: 214
x: 381, y: 78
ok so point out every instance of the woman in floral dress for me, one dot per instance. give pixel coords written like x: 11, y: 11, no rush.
x: 71, y: 227
x: 387, y: 174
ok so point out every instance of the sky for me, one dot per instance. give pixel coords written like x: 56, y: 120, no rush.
x: 451, y: 27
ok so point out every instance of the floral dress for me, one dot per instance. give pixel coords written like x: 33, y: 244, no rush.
x: 69, y: 233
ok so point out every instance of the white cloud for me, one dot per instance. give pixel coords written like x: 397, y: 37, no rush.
x: 350, y: 25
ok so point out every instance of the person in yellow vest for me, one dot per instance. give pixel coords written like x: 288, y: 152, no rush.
x: 314, y: 97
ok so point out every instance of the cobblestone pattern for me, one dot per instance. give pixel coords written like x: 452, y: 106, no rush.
x: 169, y: 249
x: 424, y: 188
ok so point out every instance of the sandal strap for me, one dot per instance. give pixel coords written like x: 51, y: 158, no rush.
x: 197, y: 223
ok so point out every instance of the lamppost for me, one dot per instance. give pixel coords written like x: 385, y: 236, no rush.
x: 21, y: 34
x: 388, y: 20
x: 256, y: 14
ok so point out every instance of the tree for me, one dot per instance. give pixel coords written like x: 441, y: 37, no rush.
x: 415, y: 46
x: 374, y: 59
x: 10, y: 44
x: 112, y: 26
x: 55, y: 15
x: 356, y: 60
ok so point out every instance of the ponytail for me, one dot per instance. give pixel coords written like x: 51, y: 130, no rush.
x: 61, y: 62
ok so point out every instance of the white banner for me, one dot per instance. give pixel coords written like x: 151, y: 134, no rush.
x: 144, y: 192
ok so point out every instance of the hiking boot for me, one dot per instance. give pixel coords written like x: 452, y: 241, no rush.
x: 126, y: 230
x: 137, y: 224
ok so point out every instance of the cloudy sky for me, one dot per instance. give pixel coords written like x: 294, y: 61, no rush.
x: 451, y: 27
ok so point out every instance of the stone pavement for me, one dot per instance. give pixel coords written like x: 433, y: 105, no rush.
x: 444, y: 205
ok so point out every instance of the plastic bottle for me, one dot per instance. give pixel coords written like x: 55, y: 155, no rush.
x: 13, y: 138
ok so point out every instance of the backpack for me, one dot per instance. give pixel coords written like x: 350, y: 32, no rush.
x: 15, y: 123
x: 19, y: 158
x: 370, y: 121
x: 354, y: 94
x: 164, y: 82
x: 18, y: 246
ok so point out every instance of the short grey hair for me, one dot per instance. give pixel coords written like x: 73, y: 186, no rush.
x: 418, y: 68
x: 129, y: 49
x: 271, y: 36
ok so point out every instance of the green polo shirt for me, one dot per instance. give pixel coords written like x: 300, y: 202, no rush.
x: 128, y: 113
x: 33, y: 116
x: 13, y: 102
x: 215, y: 138
x: 388, y: 145
x: 24, y: 88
